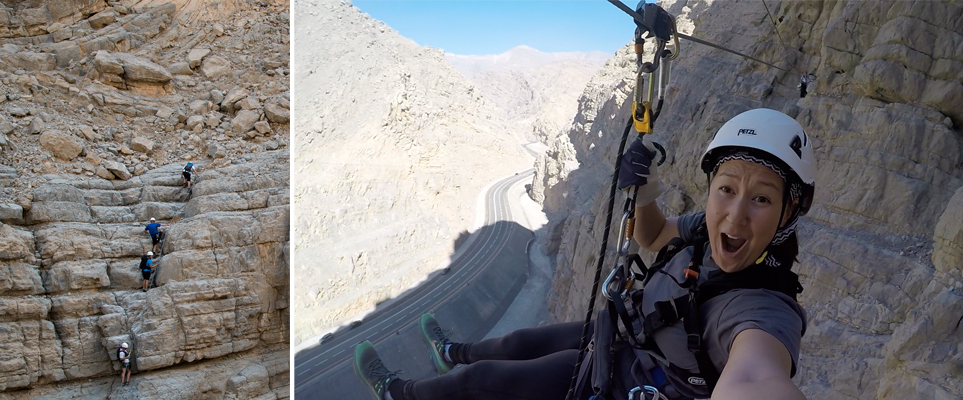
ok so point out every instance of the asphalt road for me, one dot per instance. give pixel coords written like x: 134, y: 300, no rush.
x: 485, y: 275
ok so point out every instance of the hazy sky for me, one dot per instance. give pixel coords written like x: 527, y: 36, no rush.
x: 493, y: 26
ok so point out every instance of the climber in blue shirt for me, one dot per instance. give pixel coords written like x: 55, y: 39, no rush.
x: 154, y: 233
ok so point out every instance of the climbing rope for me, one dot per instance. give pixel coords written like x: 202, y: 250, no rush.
x: 660, y: 24
x: 583, y: 342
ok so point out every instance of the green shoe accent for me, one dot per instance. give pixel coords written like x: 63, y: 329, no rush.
x: 371, y: 371
x: 436, y: 338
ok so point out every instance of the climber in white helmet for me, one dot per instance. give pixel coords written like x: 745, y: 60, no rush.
x: 718, y: 320
x: 146, y: 268
x: 123, y: 355
x: 155, y: 235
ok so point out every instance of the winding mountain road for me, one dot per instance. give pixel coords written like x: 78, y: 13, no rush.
x: 484, y: 278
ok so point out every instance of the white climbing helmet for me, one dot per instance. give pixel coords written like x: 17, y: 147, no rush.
x: 123, y: 345
x: 150, y: 254
x: 773, y: 133
x: 152, y: 220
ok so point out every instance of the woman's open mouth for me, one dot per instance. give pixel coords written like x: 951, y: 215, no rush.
x: 732, y: 244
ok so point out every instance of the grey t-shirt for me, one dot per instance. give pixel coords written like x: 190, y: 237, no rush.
x: 723, y: 316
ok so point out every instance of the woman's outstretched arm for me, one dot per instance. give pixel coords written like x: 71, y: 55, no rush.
x: 759, y: 367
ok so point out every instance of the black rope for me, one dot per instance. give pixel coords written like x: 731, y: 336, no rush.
x: 583, y: 343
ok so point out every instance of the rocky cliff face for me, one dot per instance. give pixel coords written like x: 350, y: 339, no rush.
x: 102, y: 103
x: 72, y: 293
x: 881, y: 248
x: 393, y: 148
x: 114, y: 90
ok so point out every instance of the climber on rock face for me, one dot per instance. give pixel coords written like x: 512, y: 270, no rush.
x: 146, y: 268
x: 720, y: 320
x: 188, y: 170
x: 154, y: 234
x: 804, y: 82
x: 123, y: 355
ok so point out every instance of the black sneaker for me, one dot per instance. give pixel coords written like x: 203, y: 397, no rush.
x: 371, y: 371
x: 436, y: 338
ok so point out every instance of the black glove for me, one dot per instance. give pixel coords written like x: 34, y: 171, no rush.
x: 636, y: 167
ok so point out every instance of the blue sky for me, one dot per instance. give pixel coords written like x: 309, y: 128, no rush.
x: 493, y: 26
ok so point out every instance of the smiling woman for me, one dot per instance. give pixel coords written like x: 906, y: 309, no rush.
x: 719, y: 319
x: 761, y: 169
x: 761, y: 182
x: 742, y: 213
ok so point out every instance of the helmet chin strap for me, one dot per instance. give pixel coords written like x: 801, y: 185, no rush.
x: 785, y: 229
x: 779, y: 226
x: 782, y: 211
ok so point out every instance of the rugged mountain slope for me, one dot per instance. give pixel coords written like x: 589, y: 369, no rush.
x: 101, y: 104
x: 881, y: 248
x: 393, y: 146
x: 133, y: 85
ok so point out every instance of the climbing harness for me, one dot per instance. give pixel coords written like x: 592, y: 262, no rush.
x: 644, y: 392
x: 686, y: 306
x: 622, y: 301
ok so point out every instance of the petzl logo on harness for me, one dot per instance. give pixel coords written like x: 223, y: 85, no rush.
x: 746, y: 132
x: 695, y: 380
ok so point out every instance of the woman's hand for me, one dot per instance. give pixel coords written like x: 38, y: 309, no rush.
x: 637, y: 164
x: 759, y: 367
x: 638, y: 168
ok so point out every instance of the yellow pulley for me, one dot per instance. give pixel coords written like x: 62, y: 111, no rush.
x: 643, y: 117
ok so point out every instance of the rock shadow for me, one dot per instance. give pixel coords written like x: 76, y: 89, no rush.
x: 486, y: 271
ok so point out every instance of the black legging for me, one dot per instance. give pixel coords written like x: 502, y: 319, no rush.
x: 528, y: 364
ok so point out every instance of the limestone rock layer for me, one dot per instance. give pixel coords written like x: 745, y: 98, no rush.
x: 71, y: 292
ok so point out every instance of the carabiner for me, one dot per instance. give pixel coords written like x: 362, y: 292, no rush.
x: 651, y: 390
x: 608, y: 282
